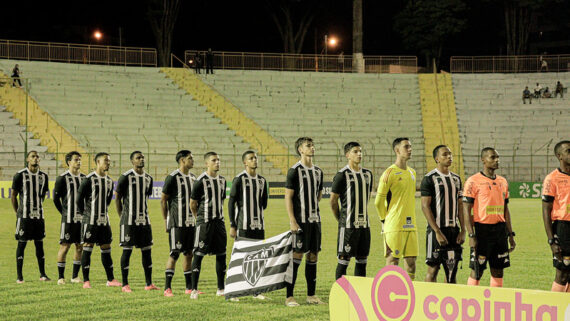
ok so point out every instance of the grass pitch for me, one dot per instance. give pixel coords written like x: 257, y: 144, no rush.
x: 531, y: 268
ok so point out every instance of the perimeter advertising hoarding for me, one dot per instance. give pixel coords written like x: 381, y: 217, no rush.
x: 392, y: 295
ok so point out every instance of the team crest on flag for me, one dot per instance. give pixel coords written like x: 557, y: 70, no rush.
x: 254, y: 263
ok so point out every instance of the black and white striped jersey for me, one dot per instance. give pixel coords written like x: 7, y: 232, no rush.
x: 354, y: 189
x: 178, y: 187
x: 210, y: 193
x: 248, y: 199
x: 445, y: 192
x: 32, y: 188
x: 307, y: 184
x: 66, y: 194
x: 95, y: 195
x: 134, y: 190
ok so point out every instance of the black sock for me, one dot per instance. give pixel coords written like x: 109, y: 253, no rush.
x: 360, y: 267
x: 311, y: 277
x: 291, y: 287
x: 168, y: 282
x: 221, y: 270
x: 188, y: 279
x: 86, y: 262
x: 341, y: 268
x: 107, y: 263
x: 40, y: 256
x: 147, y: 266
x: 196, y: 265
x: 125, y: 259
x: 76, y: 267
x: 20, y: 258
x: 61, y: 269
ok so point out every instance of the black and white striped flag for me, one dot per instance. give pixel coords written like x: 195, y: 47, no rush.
x: 258, y: 266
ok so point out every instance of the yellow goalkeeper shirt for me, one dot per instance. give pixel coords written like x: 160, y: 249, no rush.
x: 395, y: 199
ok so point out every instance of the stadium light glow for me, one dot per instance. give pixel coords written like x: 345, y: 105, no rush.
x: 98, y: 35
x: 332, y: 41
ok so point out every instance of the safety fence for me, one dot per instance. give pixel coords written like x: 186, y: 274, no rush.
x: 510, y: 64
x: 77, y: 53
x: 299, y: 62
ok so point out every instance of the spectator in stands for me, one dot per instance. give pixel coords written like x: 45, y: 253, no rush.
x: 546, y: 93
x: 537, y: 91
x: 197, y: 63
x: 210, y: 61
x: 16, y: 76
x: 543, y: 64
x: 526, y: 95
x: 559, y: 90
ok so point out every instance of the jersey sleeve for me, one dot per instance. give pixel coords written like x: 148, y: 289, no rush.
x: 225, y: 186
x: 17, y: 183
x: 197, y: 190
x: 460, y: 190
x: 265, y: 195
x: 382, y: 194
x: 58, y: 193
x: 232, y: 203
x: 339, y: 183
x: 122, y: 185
x: 506, y: 191
x: 292, y: 180
x: 470, y: 191
x: 84, y: 190
x: 150, y: 186
x: 110, y: 192
x: 548, y: 190
x: 45, y: 188
x: 168, y: 187
x: 427, y: 188
x: 322, y: 183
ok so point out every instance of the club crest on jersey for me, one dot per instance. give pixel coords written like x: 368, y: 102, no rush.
x: 67, y: 236
x: 254, y: 263
x: 347, y: 248
x: 41, y: 179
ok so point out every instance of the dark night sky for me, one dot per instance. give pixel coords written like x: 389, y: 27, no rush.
x: 238, y: 26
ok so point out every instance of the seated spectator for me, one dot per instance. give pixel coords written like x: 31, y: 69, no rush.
x: 546, y: 93
x: 16, y: 76
x: 537, y: 91
x: 526, y: 95
x: 559, y: 90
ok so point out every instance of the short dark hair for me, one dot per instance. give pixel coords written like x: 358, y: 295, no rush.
x: 134, y: 153
x: 208, y: 154
x: 31, y: 151
x: 485, y: 150
x: 349, y: 146
x: 69, y: 156
x: 100, y: 154
x: 558, y: 146
x: 436, y: 150
x: 397, y: 141
x: 181, y: 154
x: 300, y: 141
x: 244, y: 155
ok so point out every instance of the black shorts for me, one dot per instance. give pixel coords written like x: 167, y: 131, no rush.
x: 353, y: 242
x: 211, y: 238
x: 135, y: 235
x: 561, y: 230
x: 181, y: 239
x: 28, y: 229
x: 492, y: 246
x: 437, y: 254
x: 96, y: 234
x: 251, y: 234
x: 70, y: 233
x: 308, y: 239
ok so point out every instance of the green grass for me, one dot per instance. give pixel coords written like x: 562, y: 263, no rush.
x: 531, y: 268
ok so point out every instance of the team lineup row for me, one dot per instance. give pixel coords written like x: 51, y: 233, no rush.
x: 192, y: 208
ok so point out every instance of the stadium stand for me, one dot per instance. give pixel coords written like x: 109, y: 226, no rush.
x: 12, y: 148
x: 333, y: 109
x: 120, y: 109
x: 490, y: 112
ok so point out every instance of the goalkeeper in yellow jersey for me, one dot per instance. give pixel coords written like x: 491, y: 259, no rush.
x: 396, y: 206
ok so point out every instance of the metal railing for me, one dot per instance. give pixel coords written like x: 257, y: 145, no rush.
x: 509, y: 64
x: 77, y: 53
x: 301, y: 62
